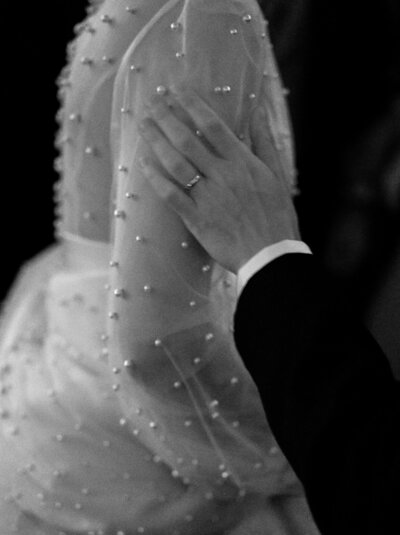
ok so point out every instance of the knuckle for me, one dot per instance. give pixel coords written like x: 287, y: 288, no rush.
x: 214, y: 129
x: 178, y: 168
x: 186, y: 144
x: 170, y: 196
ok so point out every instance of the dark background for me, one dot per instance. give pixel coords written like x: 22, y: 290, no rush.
x: 340, y: 61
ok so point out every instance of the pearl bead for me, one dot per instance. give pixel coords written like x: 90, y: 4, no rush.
x: 161, y: 90
x: 157, y: 342
x: 247, y: 18
x: 177, y: 384
x: 234, y: 381
x: 197, y: 361
x: 90, y: 29
x: 192, y: 304
x: 107, y: 19
x: 89, y: 150
x: 87, y: 216
x: 206, y: 268
x: 86, y: 61
x: 139, y: 239
x: 184, y: 245
x: 233, y: 31
x: 252, y: 96
x: 128, y: 363
x: 74, y: 117
x: 147, y: 288
x: 119, y: 214
x: 226, y: 89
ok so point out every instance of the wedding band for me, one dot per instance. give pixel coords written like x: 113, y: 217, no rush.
x: 193, y: 182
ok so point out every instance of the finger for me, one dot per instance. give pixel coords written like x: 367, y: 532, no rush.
x: 214, y: 129
x: 181, y: 136
x: 170, y: 159
x: 170, y: 193
x: 262, y: 142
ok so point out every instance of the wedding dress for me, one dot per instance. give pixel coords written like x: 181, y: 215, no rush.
x: 124, y: 406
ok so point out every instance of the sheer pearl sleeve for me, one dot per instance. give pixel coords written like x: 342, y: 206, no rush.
x: 181, y: 383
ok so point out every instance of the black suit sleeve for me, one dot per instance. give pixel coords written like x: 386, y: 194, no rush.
x: 328, y: 392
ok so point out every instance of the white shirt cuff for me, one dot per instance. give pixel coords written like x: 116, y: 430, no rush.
x: 267, y: 255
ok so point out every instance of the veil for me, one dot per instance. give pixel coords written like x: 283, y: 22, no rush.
x: 181, y: 382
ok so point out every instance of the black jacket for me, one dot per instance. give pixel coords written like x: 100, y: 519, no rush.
x: 328, y: 392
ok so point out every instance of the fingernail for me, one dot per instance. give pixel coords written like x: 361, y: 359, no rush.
x: 143, y: 162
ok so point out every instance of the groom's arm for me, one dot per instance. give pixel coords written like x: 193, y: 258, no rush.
x: 328, y: 392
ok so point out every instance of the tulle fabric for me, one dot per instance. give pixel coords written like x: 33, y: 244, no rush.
x: 172, y: 322
x: 126, y: 408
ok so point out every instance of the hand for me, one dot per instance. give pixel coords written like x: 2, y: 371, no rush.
x: 240, y: 205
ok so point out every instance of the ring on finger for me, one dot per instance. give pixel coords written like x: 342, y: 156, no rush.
x: 190, y: 185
